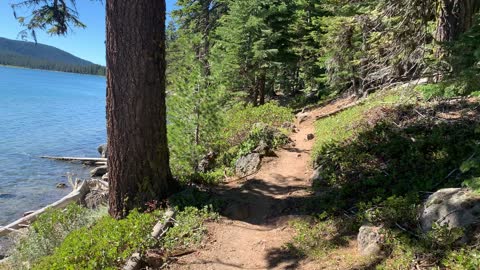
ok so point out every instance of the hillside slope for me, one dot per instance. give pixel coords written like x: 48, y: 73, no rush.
x: 40, y: 56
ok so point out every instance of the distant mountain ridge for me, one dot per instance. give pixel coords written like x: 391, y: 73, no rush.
x: 40, y: 56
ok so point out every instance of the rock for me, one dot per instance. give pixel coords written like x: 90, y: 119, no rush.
x: 105, y: 177
x: 310, y: 137
x: 103, y: 150
x: 99, y: 171
x: 247, y: 165
x: 207, y: 163
x: 61, y: 185
x: 7, y: 244
x: 370, y: 240
x: 317, y: 178
x: 289, y: 126
x: 264, y: 150
x: 453, y: 207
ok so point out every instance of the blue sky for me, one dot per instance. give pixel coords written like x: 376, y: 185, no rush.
x: 86, y: 43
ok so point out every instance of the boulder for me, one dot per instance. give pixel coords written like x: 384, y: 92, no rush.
x: 61, y: 185
x: 289, y: 126
x: 247, y: 165
x: 310, y: 137
x: 207, y: 163
x: 316, y: 177
x: 103, y: 150
x: 452, y: 207
x: 370, y: 240
x: 302, y: 116
x: 264, y: 150
x: 99, y: 171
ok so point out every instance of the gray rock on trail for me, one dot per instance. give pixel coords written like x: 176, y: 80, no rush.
x: 370, y: 240
x: 207, y: 163
x: 247, y: 165
x: 103, y: 150
x: 453, y: 207
x: 290, y: 127
x: 317, y: 178
x: 99, y: 171
x: 264, y: 150
x: 302, y: 117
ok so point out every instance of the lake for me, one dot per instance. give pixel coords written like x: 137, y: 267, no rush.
x: 45, y: 113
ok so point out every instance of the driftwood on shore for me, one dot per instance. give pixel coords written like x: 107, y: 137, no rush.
x: 79, y: 191
x: 159, y: 230
x: 82, y: 159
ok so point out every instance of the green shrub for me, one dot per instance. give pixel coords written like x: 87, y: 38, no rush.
x: 104, y: 245
x: 394, y: 210
x: 385, y: 160
x: 240, y: 120
x: 189, y: 228
x: 316, y: 239
x: 463, y: 85
x: 463, y: 259
x: 49, y: 231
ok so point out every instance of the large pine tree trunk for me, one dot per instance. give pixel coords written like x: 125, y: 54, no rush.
x: 137, y: 135
x: 454, y: 18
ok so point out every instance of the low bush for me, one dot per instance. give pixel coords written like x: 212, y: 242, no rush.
x: 189, y: 228
x: 319, y: 237
x: 240, y: 120
x: 105, y: 245
x: 49, y: 231
x: 398, y: 155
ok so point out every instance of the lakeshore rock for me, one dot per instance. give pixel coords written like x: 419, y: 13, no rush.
x: 99, y: 171
x: 61, y: 185
x: 370, y: 240
x: 247, y: 165
x: 452, y: 207
x: 103, y: 150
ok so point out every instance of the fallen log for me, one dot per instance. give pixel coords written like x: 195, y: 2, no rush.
x: 159, y: 230
x: 83, y: 159
x: 78, y: 192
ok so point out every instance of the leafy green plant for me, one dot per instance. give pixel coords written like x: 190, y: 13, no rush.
x: 49, y: 231
x: 189, y: 228
x: 316, y: 239
x: 463, y: 259
x: 240, y: 120
x: 393, y: 210
x: 104, y: 245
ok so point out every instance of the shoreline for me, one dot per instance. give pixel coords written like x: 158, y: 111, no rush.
x: 51, y: 70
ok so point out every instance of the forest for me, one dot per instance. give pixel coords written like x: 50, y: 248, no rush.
x: 321, y: 134
x: 38, y: 56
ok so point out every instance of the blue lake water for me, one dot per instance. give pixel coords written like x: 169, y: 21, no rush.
x: 45, y: 113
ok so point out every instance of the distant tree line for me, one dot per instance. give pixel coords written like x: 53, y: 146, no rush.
x: 29, y: 62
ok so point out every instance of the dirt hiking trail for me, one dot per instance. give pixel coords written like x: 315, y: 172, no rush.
x: 254, y: 230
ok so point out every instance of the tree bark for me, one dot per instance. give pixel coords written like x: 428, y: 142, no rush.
x: 454, y: 18
x: 261, y: 86
x: 136, y: 110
